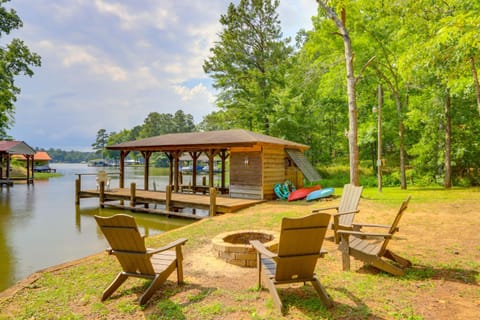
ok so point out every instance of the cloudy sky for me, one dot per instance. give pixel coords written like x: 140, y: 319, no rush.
x: 109, y: 63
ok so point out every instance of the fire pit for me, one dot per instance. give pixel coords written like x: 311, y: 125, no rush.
x: 234, y: 246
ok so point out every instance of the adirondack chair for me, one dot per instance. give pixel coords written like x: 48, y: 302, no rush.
x: 103, y: 177
x: 136, y: 260
x: 371, y: 248
x: 299, y: 248
x: 343, y: 219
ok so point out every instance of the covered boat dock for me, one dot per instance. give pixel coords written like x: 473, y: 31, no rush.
x: 256, y: 162
x: 7, y: 150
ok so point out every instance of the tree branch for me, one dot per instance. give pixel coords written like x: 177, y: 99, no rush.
x: 365, y: 66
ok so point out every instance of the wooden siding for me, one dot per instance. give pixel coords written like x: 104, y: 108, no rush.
x: 245, y: 175
x: 273, y: 169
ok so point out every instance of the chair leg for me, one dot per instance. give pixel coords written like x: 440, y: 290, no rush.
x: 154, y: 286
x: 117, y: 282
x: 327, y: 301
x: 392, y: 256
x: 345, y: 249
x: 387, y: 267
x: 259, y: 267
x: 275, y: 296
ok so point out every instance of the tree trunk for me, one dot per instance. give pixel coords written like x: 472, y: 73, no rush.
x: 448, y: 141
x: 401, y: 137
x: 475, y: 80
x: 352, y: 100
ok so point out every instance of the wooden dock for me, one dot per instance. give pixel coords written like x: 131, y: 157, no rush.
x: 140, y: 200
x: 8, y: 183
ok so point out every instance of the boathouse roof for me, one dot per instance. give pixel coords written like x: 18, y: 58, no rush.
x: 38, y: 156
x: 200, y: 140
x: 16, y: 147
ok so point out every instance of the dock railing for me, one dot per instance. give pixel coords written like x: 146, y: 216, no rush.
x: 134, y: 200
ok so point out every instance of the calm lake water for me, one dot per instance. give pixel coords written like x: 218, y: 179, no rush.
x: 40, y: 225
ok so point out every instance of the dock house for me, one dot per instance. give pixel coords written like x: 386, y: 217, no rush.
x: 256, y: 162
x: 7, y: 150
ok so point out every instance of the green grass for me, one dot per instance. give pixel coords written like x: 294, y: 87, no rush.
x: 73, y: 293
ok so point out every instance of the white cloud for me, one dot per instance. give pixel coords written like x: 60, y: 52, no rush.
x: 84, y: 57
x: 134, y: 17
x: 188, y: 94
x: 107, y: 64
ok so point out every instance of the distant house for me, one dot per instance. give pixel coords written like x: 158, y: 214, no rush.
x: 41, y: 161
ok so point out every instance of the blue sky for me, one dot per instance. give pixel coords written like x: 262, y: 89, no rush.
x: 108, y: 64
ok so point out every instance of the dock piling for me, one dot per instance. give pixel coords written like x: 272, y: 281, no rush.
x: 133, y: 188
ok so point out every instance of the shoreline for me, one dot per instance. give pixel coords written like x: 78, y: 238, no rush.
x: 30, y: 279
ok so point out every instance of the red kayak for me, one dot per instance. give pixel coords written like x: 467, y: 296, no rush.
x: 302, y: 193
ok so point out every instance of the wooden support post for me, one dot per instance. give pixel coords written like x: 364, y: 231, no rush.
x: 168, y: 197
x: 77, y: 191
x: 194, y: 156
x: 133, y: 189
x: 213, y: 202
x: 345, y: 248
x: 101, y: 197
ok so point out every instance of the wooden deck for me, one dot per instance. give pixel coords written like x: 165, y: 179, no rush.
x: 142, y: 199
x: 4, y: 182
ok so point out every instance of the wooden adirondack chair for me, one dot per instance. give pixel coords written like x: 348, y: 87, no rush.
x: 136, y: 260
x: 346, y: 210
x: 298, y: 251
x: 371, y: 248
x: 102, y: 176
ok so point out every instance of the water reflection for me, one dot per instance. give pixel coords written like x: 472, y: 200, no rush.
x: 41, y: 226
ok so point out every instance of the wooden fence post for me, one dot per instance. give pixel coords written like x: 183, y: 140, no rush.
x: 133, y: 189
x: 213, y: 202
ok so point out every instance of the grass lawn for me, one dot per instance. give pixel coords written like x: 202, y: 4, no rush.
x: 439, y: 233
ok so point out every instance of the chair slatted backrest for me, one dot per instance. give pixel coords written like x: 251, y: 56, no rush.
x: 394, y: 227
x: 126, y: 242
x: 348, y: 203
x: 102, y: 176
x: 299, y: 246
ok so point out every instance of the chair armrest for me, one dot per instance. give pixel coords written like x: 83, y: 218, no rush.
x: 257, y: 245
x: 346, y: 212
x: 322, y: 209
x: 171, y: 245
x: 365, y: 234
x: 357, y: 226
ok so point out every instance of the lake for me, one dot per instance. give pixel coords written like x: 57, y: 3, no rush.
x: 40, y: 225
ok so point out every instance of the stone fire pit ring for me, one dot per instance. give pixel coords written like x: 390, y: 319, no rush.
x: 234, y: 246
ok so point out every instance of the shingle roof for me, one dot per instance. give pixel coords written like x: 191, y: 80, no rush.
x: 199, y: 140
x: 16, y: 147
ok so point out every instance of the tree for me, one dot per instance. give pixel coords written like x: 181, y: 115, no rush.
x: 100, y: 142
x: 15, y: 59
x: 248, y: 62
x: 351, y: 90
x: 183, y: 122
x: 217, y: 120
x: 156, y: 124
x: 442, y: 61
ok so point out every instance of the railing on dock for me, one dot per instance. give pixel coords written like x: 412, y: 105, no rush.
x: 171, y: 200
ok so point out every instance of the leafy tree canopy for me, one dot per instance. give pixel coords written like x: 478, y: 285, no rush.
x: 15, y: 59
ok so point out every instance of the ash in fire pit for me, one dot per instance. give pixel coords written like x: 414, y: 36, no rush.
x: 234, y: 247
